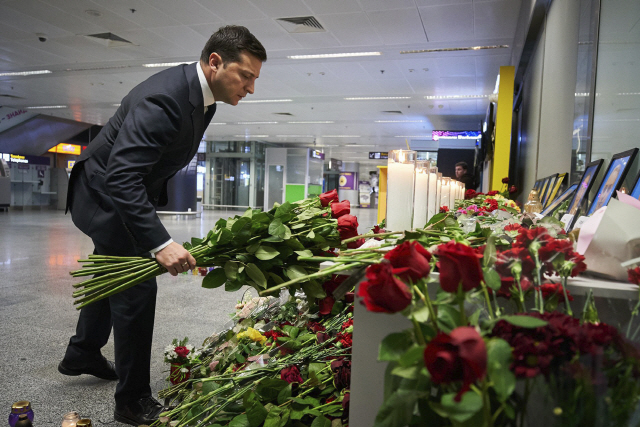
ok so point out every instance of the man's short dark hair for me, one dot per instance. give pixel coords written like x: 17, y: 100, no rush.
x: 230, y: 41
x: 463, y: 165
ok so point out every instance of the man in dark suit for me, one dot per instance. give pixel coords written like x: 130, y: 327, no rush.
x: 114, y: 190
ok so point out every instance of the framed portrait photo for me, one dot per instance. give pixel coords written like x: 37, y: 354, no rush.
x: 553, y: 190
x: 546, y: 187
x: 536, y: 186
x: 635, y: 193
x: 566, y: 195
x: 613, y: 179
x: 584, y: 186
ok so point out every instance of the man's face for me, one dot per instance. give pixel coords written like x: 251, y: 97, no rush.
x: 232, y: 81
x: 460, y: 171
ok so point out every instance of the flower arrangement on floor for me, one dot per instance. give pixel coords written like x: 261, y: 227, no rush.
x: 181, y: 357
x: 280, y: 365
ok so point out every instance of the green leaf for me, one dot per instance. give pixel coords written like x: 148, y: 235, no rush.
x: 269, y: 388
x: 240, y: 224
x: 421, y: 314
x: 414, y: 355
x: 490, y: 254
x: 256, y: 275
x: 231, y: 270
x: 232, y: 286
x: 272, y: 239
x: 313, y: 290
x: 278, y: 229
x: 276, y: 278
x: 305, y: 252
x: 461, y: 411
x: 393, y: 346
x: 195, y: 241
x: 225, y: 236
x: 492, y: 279
x: 524, y: 321
x: 240, y: 421
x: 265, y: 253
x: 397, y: 410
x: 499, y: 357
x: 284, y: 395
x: 209, y: 386
x: 283, y: 209
x: 321, y: 421
x: 448, y: 318
x: 256, y: 414
x: 214, y: 279
x: 296, y: 272
x: 409, y: 372
x: 248, y: 213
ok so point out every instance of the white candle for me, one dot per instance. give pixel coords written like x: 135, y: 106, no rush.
x: 432, y: 207
x: 445, y: 193
x: 420, y: 199
x: 439, y: 192
x: 400, y: 189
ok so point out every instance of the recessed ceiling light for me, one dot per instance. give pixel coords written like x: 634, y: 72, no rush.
x: 115, y: 105
x: 340, y: 136
x: 455, y: 49
x: 399, y: 121
x: 251, y: 136
x: 313, y: 122
x: 623, y: 93
x: 166, y: 64
x: 257, y: 123
x: 93, y: 12
x: 216, y: 124
x: 330, y: 145
x: 364, y: 98
x: 455, y: 96
x: 24, y: 73
x: 335, y: 55
x: 255, y: 101
x: 46, y: 107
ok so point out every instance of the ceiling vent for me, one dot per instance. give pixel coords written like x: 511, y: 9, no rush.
x: 392, y: 112
x: 284, y: 114
x: 109, y: 39
x: 301, y: 24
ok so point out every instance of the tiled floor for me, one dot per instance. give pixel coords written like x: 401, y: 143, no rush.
x: 37, y: 316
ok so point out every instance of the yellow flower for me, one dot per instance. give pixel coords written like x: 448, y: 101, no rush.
x: 253, y: 335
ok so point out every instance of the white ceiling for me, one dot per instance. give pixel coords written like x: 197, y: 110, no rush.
x: 90, y: 78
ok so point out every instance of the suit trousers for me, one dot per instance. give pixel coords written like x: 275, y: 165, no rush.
x: 131, y: 313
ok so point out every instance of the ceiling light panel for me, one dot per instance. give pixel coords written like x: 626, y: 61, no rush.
x: 24, y: 73
x: 166, y: 64
x: 456, y: 96
x: 340, y: 136
x: 335, y: 55
x: 455, y: 49
x: 257, y: 123
x: 313, y: 122
x: 256, y: 101
x: 370, y: 98
x: 46, y: 107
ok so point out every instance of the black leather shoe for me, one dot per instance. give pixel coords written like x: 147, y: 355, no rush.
x: 100, y: 367
x: 142, y: 411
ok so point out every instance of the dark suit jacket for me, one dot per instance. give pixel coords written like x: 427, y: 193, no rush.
x: 120, y: 179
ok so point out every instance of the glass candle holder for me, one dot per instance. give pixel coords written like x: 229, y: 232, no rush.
x: 421, y: 197
x: 19, y: 408
x: 438, y: 192
x: 445, y: 192
x: 432, y: 205
x: 400, y: 189
x: 70, y: 419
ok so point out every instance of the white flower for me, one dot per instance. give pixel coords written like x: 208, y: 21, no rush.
x: 184, y: 370
x: 189, y: 347
x: 172, y: 355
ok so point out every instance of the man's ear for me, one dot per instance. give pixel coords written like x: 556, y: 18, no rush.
x: 215, y: 61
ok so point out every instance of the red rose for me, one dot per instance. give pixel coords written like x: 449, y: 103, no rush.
x: 410, y: 261
x: 529, y: 236
x: 460, y: 356
x: 345, y: 339
x: 505, y: 260
x: 377, y: 230
x: 470, y: 194
x: 315, y: 327
x: 181, y: 351
x: 505, y: 180
x: 383, y: 292
x: 291, y: 375
x: 272, y: 334
x: 326, y: 305
x: 339, y: 209
x: 513, y: 189
x: 341, y: 369
x: 345, y: 404
x: 458, y: 263
x: 513, y: 227
x: 329, y: 196
x: 348, y: 227
x: 346, y: 324
x: 444, y: 209
x: 634, y: 275
x: 492, y: 193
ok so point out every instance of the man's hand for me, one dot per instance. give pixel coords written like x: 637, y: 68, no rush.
x: 175, y: 259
